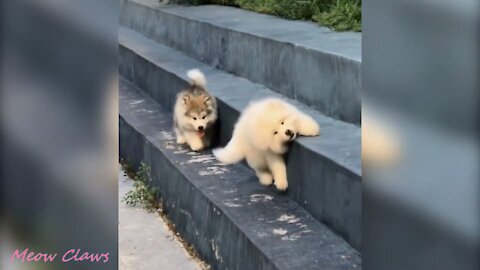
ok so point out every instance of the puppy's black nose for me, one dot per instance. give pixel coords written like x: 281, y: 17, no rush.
x: 289, y: 133
x: 200, y: 128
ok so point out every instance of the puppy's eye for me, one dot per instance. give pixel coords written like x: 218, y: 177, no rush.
x: 282, y: 123
x: 194, y: 118
x: 204, y: 117
x: 275, y: 133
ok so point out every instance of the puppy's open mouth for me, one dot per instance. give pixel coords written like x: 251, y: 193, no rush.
x: 289, y: 140
x: 201, y: 133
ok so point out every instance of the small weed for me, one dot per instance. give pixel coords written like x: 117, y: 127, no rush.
x: 128, y: 168
x: 142, y: 193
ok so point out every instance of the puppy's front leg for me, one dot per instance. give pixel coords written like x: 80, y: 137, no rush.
x: 306, y: 125
x: 194, y: 141
x: 180, y: 138
x: 276, y: 164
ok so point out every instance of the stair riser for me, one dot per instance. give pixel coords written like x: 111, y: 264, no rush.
x: 331, y: 84
x: 162, y: 86
x: 195, y: 217
x: 328, y: 191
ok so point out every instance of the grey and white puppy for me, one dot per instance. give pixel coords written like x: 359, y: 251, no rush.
x: 195, y: 113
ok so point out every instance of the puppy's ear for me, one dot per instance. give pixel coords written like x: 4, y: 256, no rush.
x: 207, y: 100
x: 186, y: 98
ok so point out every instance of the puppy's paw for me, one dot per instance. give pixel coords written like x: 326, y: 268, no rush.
x: 310, y: 128
x: 195, y: 146
x: 307, y: 126
x: 265, y: 178
x: 181, y: 140
x: 281, y: 185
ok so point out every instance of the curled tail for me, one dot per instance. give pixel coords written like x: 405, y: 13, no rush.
x: 231, y: 153
x: 197, y: 77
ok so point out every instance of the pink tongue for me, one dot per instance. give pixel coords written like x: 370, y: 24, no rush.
x: 201, y: 133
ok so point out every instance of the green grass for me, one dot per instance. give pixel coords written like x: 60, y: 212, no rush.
x: 339, y: 15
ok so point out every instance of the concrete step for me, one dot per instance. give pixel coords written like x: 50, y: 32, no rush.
x: 324, y: 172
x: 311, y: 64
x: 231, y: 220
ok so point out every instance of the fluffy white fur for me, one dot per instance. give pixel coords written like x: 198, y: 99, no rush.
x: 261, y: 136
x: 197, y: 77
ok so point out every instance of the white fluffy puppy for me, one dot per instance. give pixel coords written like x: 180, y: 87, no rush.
x: 261, y: 136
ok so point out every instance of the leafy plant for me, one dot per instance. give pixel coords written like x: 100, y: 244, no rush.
x: 127, y: 168
x: 142, y: 193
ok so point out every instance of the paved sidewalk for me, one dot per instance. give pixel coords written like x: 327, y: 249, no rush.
x: 145, y: 241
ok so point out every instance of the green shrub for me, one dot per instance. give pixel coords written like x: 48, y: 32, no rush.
x: 344, y: 15
x: 340, y: 15
x: 290, y: 9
